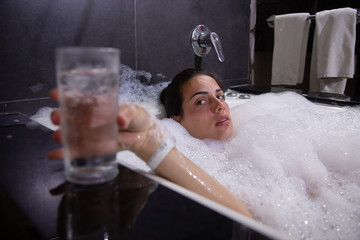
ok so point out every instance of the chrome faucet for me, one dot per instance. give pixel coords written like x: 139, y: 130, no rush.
x: 202, y: 39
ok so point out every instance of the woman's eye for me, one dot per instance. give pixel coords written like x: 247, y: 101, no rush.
x: 200, y: 102
x: 221, y: 97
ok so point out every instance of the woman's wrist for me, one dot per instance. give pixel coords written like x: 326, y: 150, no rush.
x: 147, y: 144
x: 160, y: 154
x: 155, y: 146
x: 147, y: 150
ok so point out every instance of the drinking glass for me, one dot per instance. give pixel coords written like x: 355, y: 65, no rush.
x: 88, y: 82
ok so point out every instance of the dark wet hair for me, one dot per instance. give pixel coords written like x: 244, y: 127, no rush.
x: 171, y: 96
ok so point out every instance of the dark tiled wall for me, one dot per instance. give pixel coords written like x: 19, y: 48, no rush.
x: 31, y: 30
x: 153, y: 35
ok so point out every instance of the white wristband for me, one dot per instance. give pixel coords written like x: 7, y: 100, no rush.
x: 160, y: 155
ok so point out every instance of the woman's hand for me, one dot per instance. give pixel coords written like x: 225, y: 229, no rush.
x: 138, y: 132
x: 56, y: 135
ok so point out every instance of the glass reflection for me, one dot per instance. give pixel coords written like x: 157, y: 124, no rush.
x: 104, y: 211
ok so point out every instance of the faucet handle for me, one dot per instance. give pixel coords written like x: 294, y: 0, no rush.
x: 202, y: 39
x: 215, y: 40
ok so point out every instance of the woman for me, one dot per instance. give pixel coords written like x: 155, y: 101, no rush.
x: 195, y: 100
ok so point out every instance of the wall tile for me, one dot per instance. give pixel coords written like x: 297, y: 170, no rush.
x: 164, y: 29
x: 154, y: 37
x: 31, y: 30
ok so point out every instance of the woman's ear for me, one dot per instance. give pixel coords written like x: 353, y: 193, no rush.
x: 176, y: 118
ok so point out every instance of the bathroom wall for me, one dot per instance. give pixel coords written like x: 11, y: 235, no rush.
x: 153, y: 36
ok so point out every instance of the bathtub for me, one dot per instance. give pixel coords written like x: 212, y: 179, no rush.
x: 233, y: 99
x: 129, y: 160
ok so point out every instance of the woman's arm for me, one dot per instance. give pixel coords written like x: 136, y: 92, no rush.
x: 180, y: 170
x: 175, y: 166
x: 141, y: 134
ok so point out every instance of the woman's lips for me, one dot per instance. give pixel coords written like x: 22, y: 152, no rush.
x: 223, y: 121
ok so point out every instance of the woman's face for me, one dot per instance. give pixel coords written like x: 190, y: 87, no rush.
x: 205, y: 112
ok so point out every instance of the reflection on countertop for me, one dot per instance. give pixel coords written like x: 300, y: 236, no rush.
x: 104, y: 211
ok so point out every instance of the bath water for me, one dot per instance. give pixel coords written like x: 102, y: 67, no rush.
x: 294, y: 164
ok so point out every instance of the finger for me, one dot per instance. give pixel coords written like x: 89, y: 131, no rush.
x: 56, y: 154
x: 59, y: 190
x: 56, y: 136
x: 54, y: 94
x: 125, y: 139
x: 55, y: 116
x: 133, y: 118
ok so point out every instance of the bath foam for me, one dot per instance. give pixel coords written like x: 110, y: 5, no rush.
x: 132, y: 90
x: 294, y: 165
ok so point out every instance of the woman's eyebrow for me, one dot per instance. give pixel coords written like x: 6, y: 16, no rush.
x: 219, y: 90
x: 197, y: 93
x: 205, y: 92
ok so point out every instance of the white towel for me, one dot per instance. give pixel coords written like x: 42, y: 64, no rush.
x: 332, y: 60
x: 290, y: 42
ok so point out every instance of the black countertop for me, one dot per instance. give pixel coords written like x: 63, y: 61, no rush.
x: 316, y: 97
x: 36, y: 203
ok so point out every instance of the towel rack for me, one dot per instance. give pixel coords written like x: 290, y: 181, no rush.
x: 271, y: 19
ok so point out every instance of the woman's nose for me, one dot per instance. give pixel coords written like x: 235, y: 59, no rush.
x: 218, y: 105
